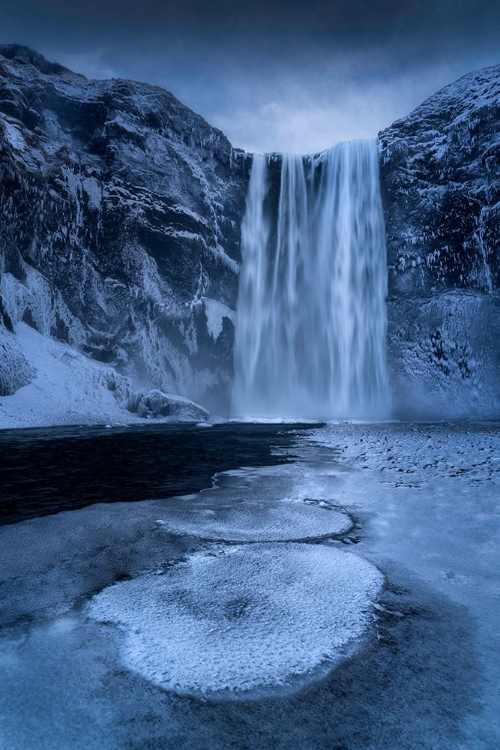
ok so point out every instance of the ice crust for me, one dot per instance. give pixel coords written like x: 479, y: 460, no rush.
x: 215, y: 313
x: 283, y: 520
x: 279, y: 503
x: 241, y: 618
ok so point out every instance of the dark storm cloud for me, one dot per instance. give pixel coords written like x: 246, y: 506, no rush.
x: 284, y: 74
x: 356, y: 18
x: 341, y: 15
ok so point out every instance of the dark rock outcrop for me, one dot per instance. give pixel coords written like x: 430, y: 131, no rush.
x: 121, y: 211
x: 440, y: 178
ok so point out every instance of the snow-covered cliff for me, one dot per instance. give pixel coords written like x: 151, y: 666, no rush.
x: 440, y: 176
x: 121, y: 212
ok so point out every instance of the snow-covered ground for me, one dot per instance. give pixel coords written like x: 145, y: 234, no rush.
x: 69, y: 388
x: 347, y: 600
x: 429, y: 499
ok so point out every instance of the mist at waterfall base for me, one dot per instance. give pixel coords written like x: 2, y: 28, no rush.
x: 311, y: 323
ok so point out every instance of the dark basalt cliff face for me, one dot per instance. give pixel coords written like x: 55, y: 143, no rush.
x: 121, y: 211
x: 440, y: 178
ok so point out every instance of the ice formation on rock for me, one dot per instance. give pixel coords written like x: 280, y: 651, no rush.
x: 121, y: 215
x: 441, y: 194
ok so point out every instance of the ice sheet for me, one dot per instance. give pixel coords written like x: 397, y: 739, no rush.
x: 232, y: 620
x: 425, y: 499
x: 279, y: 503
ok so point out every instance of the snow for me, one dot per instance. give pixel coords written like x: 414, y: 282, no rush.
x: 221, y: 255
x: 69, y: 388
x: 93, y: 190
x: 215, y: 312
x: 241, y: 618
x: 430, y: 494
x: 43, y: 301
x: 125, y: 633
x: 14, y: 135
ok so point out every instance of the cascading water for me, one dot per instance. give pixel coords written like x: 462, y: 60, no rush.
x: 311, y: 323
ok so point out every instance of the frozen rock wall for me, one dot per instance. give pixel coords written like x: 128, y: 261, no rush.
x: 440, y: 170
x: 120, y: 224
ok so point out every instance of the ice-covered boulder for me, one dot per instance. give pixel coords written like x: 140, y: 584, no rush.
x: 157, y: 404
x: 15, y: 370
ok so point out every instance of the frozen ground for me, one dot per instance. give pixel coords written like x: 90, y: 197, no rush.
x: 428, y: 497
x: 209, y: 621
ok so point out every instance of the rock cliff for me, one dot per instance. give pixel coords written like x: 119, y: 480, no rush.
x: 120, y: 237
x: 121, y: 212
x: 440, y: 178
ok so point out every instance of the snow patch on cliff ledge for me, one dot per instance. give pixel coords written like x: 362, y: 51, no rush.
x: 69, y: 388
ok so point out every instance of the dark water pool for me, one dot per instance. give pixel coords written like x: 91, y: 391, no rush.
x: 46, y: 470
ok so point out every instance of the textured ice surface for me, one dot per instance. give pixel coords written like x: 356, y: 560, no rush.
x: 429, y: 496
x: 426, y: 502
x: 279, y: 503
x: 260, y: 521
x: 241, y: 618
x: 441, y: 358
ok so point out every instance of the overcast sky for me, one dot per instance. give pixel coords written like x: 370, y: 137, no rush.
x: 273, y: 75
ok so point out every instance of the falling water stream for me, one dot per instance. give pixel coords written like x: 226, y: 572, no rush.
x: 311, y: 324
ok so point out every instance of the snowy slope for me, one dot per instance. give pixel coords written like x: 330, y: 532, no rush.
x: 65, y: 387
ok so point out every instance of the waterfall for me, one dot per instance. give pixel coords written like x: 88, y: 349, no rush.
x: 311, y: 318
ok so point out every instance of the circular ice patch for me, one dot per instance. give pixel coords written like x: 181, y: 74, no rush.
x: 241, y: 619
x: 256, y: 520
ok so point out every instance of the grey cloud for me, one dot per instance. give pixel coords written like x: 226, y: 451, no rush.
x: 329, y: 17
x: 287, y: 74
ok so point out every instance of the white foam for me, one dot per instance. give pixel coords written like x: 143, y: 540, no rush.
x: 241, y: 619
x: 311, y: 324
